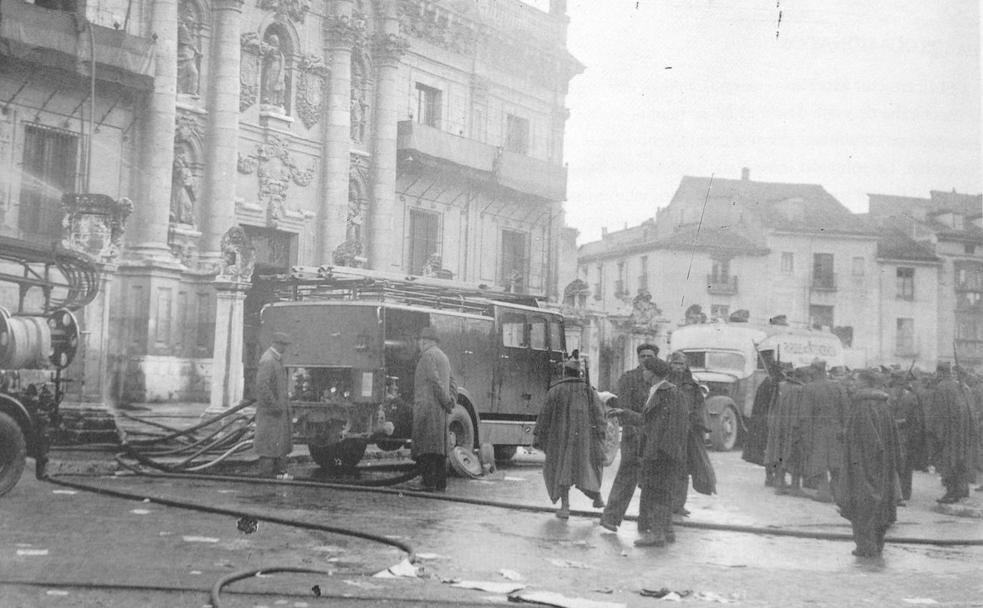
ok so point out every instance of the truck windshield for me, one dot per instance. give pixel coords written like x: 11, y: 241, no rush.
x: 716, y: 360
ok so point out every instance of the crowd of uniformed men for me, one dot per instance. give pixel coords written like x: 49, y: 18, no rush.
x: 856, y: 438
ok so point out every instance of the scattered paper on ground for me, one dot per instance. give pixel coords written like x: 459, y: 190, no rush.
x: 140, y: 511
x: 69, y: 492
x: 555, y: 599
x: 361, y: 584
x: 430, y: 556
x: 567, y: 563
x: 918, y: 600
x: 711, y: 596
x: 514, y: 479
x: 511, y: 575
x: 199, y: 539
x: 489, y: 586
x: 57, y: 592
x: 32, y: 552
x: 402, y: 569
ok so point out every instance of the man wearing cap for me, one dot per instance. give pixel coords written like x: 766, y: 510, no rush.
x: 664, y: 426
x: 274, y: 420
x: 570, y: 430
x: 433, y: 399
x: 954, y: 433
x: 699, y: 424
x: 633, y: 390
x: 825, y: 402
x: 910, y: 419
x: 756, y: 441
x: 866, y: 487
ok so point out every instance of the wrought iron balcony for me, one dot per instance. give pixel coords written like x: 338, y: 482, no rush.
x: 56, y: 38
x: 416, y: 142
x: 721, y: 285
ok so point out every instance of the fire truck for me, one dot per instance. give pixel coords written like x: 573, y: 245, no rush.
x: 724, y: 358
x: 39, y: 337
x: 353, y: 356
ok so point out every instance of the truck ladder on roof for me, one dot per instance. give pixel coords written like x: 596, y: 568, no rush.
x: 72, y: 274
x: 305, y: 283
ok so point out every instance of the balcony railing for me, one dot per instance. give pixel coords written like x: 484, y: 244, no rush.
x: 51, y: 38
x: 721, y: 286
x: 515, y: 171
x: 824, y: 282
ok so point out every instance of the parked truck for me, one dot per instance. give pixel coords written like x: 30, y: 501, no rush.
x: 352, y: 360
x: 724, y: 357
x: 38, y: 340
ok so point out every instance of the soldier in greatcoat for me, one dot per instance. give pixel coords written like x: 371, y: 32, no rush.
x: 910, y: 419
x: 433, y: 399
x: 954, y: 433
x: 825, y: 402
x: 274, y: 420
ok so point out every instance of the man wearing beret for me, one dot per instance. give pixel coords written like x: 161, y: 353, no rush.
x: 274, y: 420
x: 433, y: 399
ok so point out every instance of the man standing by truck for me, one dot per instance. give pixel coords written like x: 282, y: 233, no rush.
x: 432, y: 401
x: 274, y: 422
x: 633, y: 390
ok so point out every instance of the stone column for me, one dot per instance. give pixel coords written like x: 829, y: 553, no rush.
x: 339, y: 34
x: 389, y: 48
x: 222, y: 130
x: 227, y: 374
x: 148, y: 226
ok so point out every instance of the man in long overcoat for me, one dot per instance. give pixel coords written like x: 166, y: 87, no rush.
x: 664, y: 425
x: 953, y: 430
x: 433, y: 399
x: 570, y: 430
x: 910, y: 419
x: 274, y: 420
x: 756, y: 441
x: 866, y: 488
x: 633, y: 391
x: 825, y: 402
x: 699, y: 425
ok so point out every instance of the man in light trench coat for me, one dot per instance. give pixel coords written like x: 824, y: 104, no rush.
x: 433, y: 399
x: 274, y: 420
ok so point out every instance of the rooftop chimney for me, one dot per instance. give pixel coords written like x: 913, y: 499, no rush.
x: 745, y: 174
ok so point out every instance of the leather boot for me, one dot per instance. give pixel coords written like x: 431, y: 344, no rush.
x: 652, y: 538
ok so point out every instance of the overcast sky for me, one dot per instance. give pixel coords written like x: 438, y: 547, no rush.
x: 871, y: 96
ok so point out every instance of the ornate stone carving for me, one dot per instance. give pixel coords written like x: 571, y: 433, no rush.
x: 644, y: 312
x: 358, y: 168
x: 183, y: 242
x: 94, y: 224
x: 188, y: 50
x: 252, y: 50
x: 274, y: 76
x: 296, y: 10
x: 187, y: 128
x: 357, y: 113
x: 349, y: 254
x: 311, y: 90
x: 184, y: 191
x: 276, y: 168
x: 429, y: 22
x: 343, y: 31
x: 238, y: 256
x: 389, y: 49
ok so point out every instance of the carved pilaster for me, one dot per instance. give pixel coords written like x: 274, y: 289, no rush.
x: 311, y: 89
x: 94, y: 224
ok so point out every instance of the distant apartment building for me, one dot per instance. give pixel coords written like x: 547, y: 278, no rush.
x: 949, y: 225
x: 725, y: 246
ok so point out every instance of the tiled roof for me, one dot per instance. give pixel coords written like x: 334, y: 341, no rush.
x: 791, y: 207
x: 925, y: 212
x: 894, y: 244
x: 714, y: 241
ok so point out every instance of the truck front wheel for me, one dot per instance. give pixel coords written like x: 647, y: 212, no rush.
x: 13, y: 452
x: 724, y: 429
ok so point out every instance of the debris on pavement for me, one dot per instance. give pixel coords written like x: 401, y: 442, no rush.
x: 199, y: 539
x: 31, y: 552
x: 489, y: 586
x: 549, y: 598
x: 711, y: 596
x: 140, y: 511
x: 403, y: 569
x: 664, y: 593
x: 68, y: 492
x: 568, y: 563
x: 918, y: 600
x: 511, y: 575
x: 360, y: 584
x: 430, y: 556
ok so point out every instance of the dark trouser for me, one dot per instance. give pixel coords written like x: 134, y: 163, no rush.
x: 659, y: 475
x: 905, y: 475
x: 869, y: 538
x: 680, y: 491
x: 956, y: 481
x: 270, y: 466
x: 433, y: 470
x: 623, y: 488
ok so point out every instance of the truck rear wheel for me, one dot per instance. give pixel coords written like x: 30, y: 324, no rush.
x: 346, y: 453
x: 13, y: 452
x: 724, y: 430
x: 460, y: 428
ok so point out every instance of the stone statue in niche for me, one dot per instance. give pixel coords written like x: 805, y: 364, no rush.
x: 238, y: 256
x: 188, y: 57
x: 358, y: 109
x: 354, y: 218
x: 183, y: 192
x: 274, y: 87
